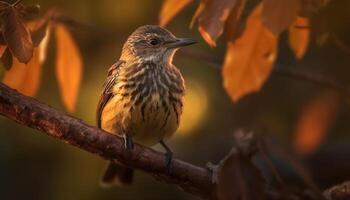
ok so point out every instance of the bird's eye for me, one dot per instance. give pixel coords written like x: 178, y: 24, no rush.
x: 154, y: 41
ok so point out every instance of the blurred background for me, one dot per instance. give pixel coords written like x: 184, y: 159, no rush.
x: 34, y: 166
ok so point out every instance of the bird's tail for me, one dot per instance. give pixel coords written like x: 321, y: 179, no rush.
x: 116, y: 175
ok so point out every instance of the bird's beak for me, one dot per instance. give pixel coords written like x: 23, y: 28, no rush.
x: 181, y: 42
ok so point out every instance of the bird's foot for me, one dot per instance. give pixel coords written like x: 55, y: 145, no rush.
x: 128, y: 143
x: 168, y: 160
x: 168, y: 157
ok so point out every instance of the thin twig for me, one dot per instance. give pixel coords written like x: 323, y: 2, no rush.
x: 212, y: 60
x: 302, y: 27
x: 73, y: 23
x: 313, y: 78
x: 264, y: 151
x: 58, y: 17
x: 290, y: 73
x: 17, y: 2
x: 6, y: 5
x: 301, y: 171
x: 340, y: 44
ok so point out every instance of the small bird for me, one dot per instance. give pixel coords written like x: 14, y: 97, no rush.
x: 142, y: 98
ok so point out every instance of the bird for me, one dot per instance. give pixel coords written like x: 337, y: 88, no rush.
x: 143, y: 96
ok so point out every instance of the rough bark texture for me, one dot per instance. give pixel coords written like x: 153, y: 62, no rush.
x: 192, y: 179
x: 339, y: 192
x: 32, y: 113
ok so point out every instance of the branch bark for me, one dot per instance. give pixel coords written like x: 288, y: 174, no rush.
x: 32, y: 113
x: 338, y: 192
x: 192, y: 179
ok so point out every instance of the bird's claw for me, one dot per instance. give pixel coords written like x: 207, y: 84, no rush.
x: 128, y: 143
x: 168, y: 159
x: 168, y: 156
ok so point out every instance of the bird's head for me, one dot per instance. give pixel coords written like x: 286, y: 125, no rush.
x: 152, y: 43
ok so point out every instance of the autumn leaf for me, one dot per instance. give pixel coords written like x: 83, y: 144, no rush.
x: 6, y: 59
x: 17, y: 36
x: 199, y: 11
x: 232, y: 25
x: 2, y: 40
x: 2, y: 49
x: 38, y: 30
x: 68, y: 67
x: 314, y: 122
x: 170, y: 8
x: 32, y: 78
x: 212, y: 19
x: 278, y: 15
x: 239, y: 179
x: 249, y: 59
x: 25, y: 77
x: 15, y: 76
x: 44, y: 45
x: 299, y: 36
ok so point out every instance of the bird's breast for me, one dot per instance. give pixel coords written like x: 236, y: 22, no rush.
x: 149, y: 101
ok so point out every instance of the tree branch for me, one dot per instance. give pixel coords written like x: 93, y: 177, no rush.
x: 192, y: 179
x: 314, y: 79
x: 338, y: 192
x: 32, y: 113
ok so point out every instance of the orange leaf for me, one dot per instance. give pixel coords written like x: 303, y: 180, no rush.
x: 2, y: 49
x: 213, y: 17
x: 39, y: 29
x: 17, y: 36
x: 299, y: 37
x: 7, y: 59
x: 31, y: 80
x: 44, y: 44
x: 170, y: 8
x: 15, y: 75
x: 279, y: 15
x: 232, y: 25
x: 314, y: 123
x: 25, y: 77
x: 199, y: 11
x: 249, y: 59
x: 68, y: 67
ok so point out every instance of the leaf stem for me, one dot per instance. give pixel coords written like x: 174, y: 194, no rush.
x: 17, y: 2
x: 4, y: 2
x: 4, y: 5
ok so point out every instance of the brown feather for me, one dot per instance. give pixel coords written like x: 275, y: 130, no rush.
x: 107, y: 92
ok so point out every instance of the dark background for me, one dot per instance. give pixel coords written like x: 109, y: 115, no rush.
x: 34, y: 166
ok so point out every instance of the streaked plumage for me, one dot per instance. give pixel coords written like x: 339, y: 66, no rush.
x: 143, y: 99
x: 143, y: 94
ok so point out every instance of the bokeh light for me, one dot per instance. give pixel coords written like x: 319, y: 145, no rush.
x: 195, y: 107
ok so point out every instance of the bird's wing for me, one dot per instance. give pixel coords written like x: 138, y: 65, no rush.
x: 107, y: 92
